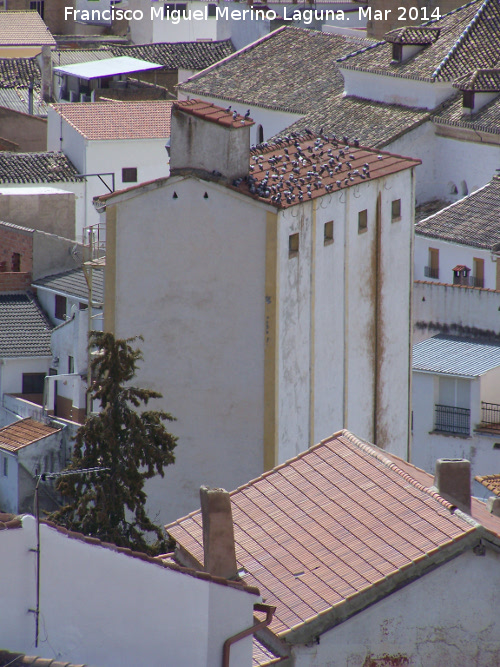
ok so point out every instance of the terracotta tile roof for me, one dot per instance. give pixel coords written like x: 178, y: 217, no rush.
x: 468, y: 330
x: 486, y: 119
x: 468, y: 40
x: 24, y: 28
x: 300, y: 168
x: 154, y: 560
x: 213, y: 113
x: 72, y: 283
x: 23, y: 433
x: 491, y: 482
x: 261, y: 656
x: 329, y: 525
x: 118, y: 120
x: 19, y: 72
x: 419, y: 35
x: 8, y: 521
x: 473, y: 220
x: 24, y: 327
x: 8, y: 659
x: 45, y: 167
x: 480, y: 80
x: 269, y: 72
x: 179, y: 55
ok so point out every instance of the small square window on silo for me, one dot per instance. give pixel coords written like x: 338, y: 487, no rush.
x: 293, y: 245
x: 328, y: 233
x: 362, y: 221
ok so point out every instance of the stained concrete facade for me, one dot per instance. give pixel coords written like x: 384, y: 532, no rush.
x: 258, y: 350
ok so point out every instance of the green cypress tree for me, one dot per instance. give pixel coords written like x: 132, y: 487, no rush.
x: 134, y: 445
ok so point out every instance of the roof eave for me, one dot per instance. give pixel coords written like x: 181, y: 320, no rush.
x: 312, y: 628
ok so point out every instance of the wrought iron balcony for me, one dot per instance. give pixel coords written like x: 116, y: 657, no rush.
x: 449, y: 419
x: 431, y: 272
x: 490, y: 417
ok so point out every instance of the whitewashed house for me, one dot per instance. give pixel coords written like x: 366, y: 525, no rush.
x: 410, y: 93
x: 456, y: 402
x: 365, y: 563
x: 266, y: 310
x: 457, y: 267
x: 29, y: 448
x: 100, y: 604
x: 116, y: 144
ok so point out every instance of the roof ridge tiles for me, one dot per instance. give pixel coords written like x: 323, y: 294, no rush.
x: 369, y: 449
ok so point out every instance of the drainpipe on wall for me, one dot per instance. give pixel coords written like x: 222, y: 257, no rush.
x: 249, y: 631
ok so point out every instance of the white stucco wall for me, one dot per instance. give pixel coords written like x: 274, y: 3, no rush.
x: 428, y: 445
x: 101, y: 607
x: 395, y: 90
x: 9, y: 486
x: 437, y: 306
x: 190, y: 278
x: 443, y: 618
x: 451, y: 255
x: 271, y: 120
x: 12, y: 369
x: 149, y: 156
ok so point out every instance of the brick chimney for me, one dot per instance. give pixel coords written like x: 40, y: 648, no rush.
x: 46, y: 70
x: 453, y: 482
x: 207, y: 137
x: 218, y: 533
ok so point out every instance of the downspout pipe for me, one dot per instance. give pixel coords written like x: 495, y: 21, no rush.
x: 249, y: 631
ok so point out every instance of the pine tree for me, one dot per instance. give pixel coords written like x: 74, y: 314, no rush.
x: 133, y: 445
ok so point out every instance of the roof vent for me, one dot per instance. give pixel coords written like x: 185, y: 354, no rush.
x: 452, y: 480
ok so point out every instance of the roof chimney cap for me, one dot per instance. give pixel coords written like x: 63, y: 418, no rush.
x: 453, y: 482
x: 218, y: 533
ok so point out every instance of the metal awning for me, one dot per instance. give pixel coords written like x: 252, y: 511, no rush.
x: 97, y: 69
x: 454, y: 355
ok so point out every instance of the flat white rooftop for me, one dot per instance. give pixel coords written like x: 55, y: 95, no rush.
x: 110, y: 67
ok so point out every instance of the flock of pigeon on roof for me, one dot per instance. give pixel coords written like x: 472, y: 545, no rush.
x: 298, y: 167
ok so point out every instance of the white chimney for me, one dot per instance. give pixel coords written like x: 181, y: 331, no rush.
x: 207, y: 137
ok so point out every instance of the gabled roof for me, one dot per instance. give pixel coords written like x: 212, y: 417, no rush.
x: 213, y: 113
x: 289, y: 70
x: 24, y: 327
x: 417, y: 35
x: 100, y: 121
x: 473, y: 220
x: 468, y: 40
x: 23, y: 433
x: 24, y: 28
x: 319, y: 534
x: 73, y: 284
x: 454, y: 355
x: 486, y: 119
x: 491, y: 482
x: 19, y: 72
x: 480, y: 81
x: 45, y: 167
x: 179, y: 55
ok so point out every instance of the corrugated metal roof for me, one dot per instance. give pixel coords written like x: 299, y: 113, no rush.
x: 109, y: 67
x: 453, y: 355
x: 17, y: 99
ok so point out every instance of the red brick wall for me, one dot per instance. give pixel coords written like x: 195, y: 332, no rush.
x: 13, y: 282
x: 16, y: 240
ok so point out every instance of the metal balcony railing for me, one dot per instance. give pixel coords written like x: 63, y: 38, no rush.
x: 431, y: 272
x: 469, y: 281
x: 490, y: 415
x: 449, y: 419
